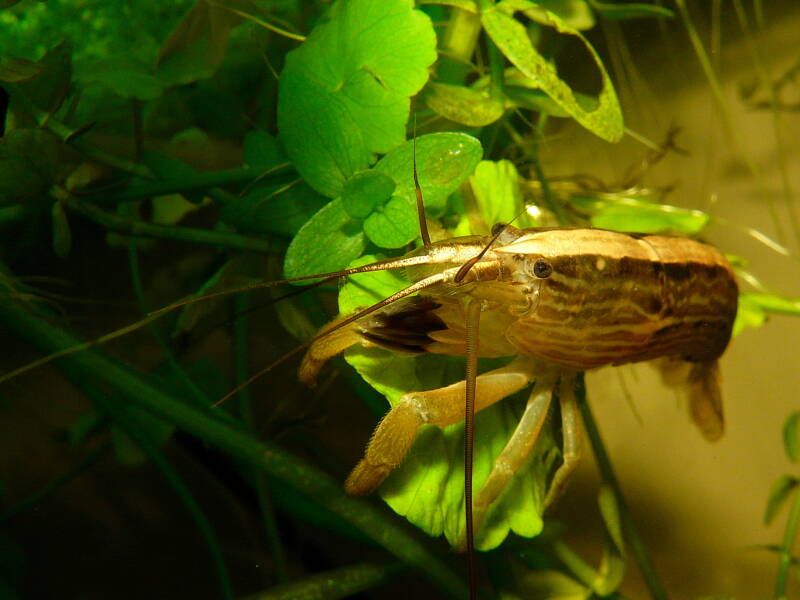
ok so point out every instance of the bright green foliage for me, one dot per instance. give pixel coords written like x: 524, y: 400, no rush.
x: 463, y: 105
x: 428, y: 488
x: 344, y: 93
x: 364, y: 191
x: 779, y: 493
x: 640, y: 215
x: 390, y: 217
x: 497, y: 193
x: 630, y: 10
x: 755, y: 308
x: 791, y: 436
x: 603, y: 117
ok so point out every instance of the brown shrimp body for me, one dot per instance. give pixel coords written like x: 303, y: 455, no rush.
x: 558, y: 301
x: 578, y: 298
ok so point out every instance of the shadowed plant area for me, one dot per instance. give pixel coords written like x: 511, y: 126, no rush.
x: 164, y: 166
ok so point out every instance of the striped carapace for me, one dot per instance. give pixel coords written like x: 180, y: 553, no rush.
x: 559, y: 300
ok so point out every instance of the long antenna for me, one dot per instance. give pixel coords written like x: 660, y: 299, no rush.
x: 407, y: 291
x: 423, y: 222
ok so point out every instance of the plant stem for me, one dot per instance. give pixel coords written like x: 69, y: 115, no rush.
x: 638, y: 548
x: 126, y: 226
x: 133, y: 390
x: 785, y: 556
x: 241, y: 356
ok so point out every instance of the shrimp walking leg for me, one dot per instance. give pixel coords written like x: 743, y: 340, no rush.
x: 444, y: 406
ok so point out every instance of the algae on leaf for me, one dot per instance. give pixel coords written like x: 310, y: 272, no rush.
x: 604, y: 119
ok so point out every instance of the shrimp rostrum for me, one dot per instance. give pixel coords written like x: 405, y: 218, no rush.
x: 556, y: 300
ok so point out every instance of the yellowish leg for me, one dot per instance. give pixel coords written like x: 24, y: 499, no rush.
x: 571, y: 433
x: 518, y: 447
x: 444, y: 406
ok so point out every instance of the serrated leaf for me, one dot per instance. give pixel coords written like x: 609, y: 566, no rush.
x: 428, y: 487
x: 778, y: 494
x: 463, y: 105
x: 631, y: 10
x: 14, y: 70
x: 791, y: 436
x: 344, y: 93
x: 329, y: 241
x: 510, y: 36
x: 365, y: 191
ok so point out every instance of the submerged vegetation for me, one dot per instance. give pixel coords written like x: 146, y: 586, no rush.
x: 159, y: 151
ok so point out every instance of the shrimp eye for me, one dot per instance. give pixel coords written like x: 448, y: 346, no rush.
x: 542, y: 269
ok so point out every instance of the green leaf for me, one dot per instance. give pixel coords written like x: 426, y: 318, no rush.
x: 329, y: 241
x: 428, y: 487
x: 631, y: 10
x: 497, y: 193
x: 463, y: 105
x: 62, y: 236
x: 444, y: 161
x: 612, y: 566
x: 14, y: 70
x: 755, y: 307
x: 575, y: 13
x: 778, y: 495
x: 262, y: 151
x: 552, y: 585
x: 344, y: 93
x: 49, y: 88
x: 364, y: 191
x: 791, y: 436
x: 773, y: 303
x: 275, y: 207
x: 196, y: 47
x: 510, y: 36
x: 393, y: 225
x: 470, y: 6
x: 125, y: 76
x: 748, y: 314
x: 641, y: 215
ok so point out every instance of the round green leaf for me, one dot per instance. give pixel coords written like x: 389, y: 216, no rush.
x: 444, y: 161
x: 329, y: 241
x: 393, y: 225
x: 365, y: 191
x: 344, y: 93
